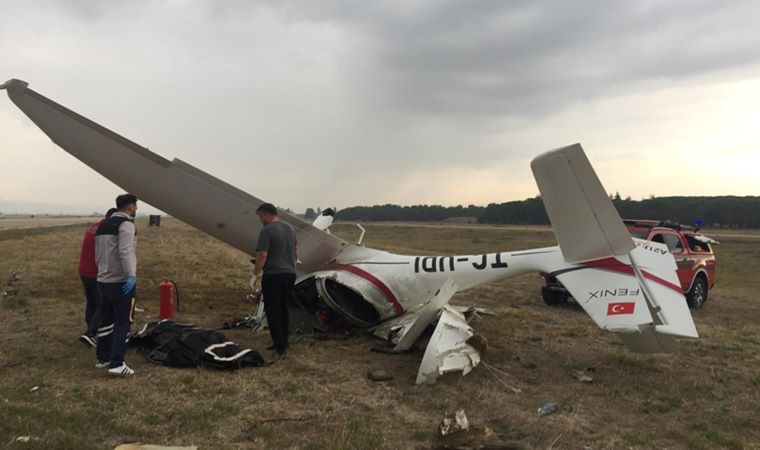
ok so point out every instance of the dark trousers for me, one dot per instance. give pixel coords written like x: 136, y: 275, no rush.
x: 278, y: 290
x: 91, y: 316
x: 116, y: 311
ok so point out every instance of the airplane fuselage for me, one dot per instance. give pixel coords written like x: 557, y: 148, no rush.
x: 394, y: 284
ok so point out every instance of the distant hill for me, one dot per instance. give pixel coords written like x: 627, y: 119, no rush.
x: 416, y: 213
x: 723, y: 211
x: 33, y: 207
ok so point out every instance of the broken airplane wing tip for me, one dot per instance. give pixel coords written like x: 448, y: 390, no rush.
x: 15, y: 84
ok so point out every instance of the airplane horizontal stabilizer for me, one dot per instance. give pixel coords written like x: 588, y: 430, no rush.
x: 636, y: 296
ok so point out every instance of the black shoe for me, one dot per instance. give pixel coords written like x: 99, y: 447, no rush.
x: 274, y: 347
x: 88, y: 340
x: 278, y: 355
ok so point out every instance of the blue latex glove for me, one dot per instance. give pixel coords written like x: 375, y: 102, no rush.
x: 129, y: 285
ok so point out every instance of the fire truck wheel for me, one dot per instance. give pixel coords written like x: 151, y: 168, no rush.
x: 553, y: 298
x: 697, y: 295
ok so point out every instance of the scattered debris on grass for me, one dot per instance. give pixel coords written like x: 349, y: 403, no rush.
x: 474, y: 312
x: 456, y: 432
x: 14, y: 278
x: 584, y: 376
x: 549, y: 408
x: 494, y: 371
x: 11, y: 286
x: 455, y: 422
x: 379, y: 375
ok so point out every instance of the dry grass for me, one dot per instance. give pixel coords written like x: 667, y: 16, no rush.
x: 704, y: 396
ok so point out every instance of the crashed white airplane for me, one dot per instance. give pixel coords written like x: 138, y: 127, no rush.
x: 398, y: 296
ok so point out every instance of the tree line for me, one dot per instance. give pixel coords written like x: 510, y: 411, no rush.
x: 415, y: 213
x: 723, y: 211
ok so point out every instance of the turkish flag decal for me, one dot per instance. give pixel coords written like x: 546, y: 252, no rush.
x: 620, y: 308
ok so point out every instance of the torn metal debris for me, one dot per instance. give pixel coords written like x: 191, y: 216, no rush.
x: 404, y: 331
x: 583, y: 376
x: 549, y: 408
x: 453, y: 347
x: 455, y: 422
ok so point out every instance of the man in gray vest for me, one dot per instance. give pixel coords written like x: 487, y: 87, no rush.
x: 117, y: 267
x: 276, y: 256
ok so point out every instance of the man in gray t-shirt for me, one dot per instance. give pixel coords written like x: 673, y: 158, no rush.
x: 276, y: 256
x: 278, y: 242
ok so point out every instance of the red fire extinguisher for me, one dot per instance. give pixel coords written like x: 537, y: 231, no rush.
x: 169, y: 293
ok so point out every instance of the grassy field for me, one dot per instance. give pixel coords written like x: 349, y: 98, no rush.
x: 707, y: 395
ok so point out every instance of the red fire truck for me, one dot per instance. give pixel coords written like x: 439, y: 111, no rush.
x: 692, y: 251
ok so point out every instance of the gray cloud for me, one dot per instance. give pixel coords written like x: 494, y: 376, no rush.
x: 521, y: 59
x: 348, y: 100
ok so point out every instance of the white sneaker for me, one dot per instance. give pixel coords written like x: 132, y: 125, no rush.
x: 101, y: 364
x: 88, y: 340
x: 121, y: 371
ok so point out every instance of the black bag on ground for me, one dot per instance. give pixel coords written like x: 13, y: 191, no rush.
x: 179, y: 345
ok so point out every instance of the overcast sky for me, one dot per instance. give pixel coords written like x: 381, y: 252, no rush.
x: 340, y: 103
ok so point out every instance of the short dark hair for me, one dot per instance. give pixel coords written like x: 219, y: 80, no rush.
x: 267, y: 208
x: 124, y: 200
x: 110, y: 212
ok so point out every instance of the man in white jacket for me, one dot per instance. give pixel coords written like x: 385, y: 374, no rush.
x: 117, y: 267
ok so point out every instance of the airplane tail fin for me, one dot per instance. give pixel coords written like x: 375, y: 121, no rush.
x: 628, y: 288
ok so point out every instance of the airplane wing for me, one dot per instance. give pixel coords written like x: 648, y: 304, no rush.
x: 176, y: 187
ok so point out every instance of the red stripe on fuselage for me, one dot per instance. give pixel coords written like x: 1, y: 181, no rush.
x: 614, y: 265
x: 372, y: 279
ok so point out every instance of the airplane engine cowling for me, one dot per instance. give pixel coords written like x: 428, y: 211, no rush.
x: 357, y: 295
